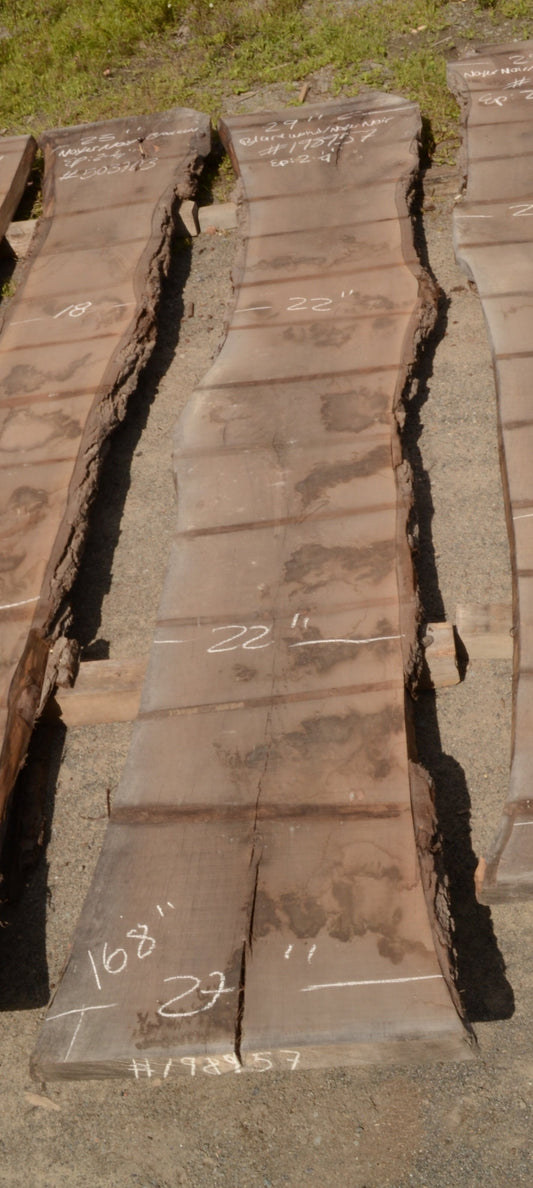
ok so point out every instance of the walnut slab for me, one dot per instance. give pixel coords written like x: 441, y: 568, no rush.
x: 76, y: 336
x: 262, y: 836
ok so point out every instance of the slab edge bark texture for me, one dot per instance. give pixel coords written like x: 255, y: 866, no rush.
x: 259, y: 903
x: 76, y: 336
x: 493, y: 233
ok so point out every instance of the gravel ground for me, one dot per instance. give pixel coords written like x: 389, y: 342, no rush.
x: 435, y: 1126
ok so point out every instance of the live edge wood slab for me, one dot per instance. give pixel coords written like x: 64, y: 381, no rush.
x: 493, y: 230
x: 75, y: 338
x: 259, y: 902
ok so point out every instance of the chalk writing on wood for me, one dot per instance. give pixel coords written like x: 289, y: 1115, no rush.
x: 214, y: 1066
x: 268, y: 789
x: 105, y: 155
x: 258, y: 637
x: 67, y: 367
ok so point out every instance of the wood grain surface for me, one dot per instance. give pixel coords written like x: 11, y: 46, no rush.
x: 76, y: 336
x: 262, y: 833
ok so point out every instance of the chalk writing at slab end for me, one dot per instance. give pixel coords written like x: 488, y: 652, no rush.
x: 520, y: 64
x: 104, y: 154
x: 152, y: 1069
x: 499, y: 82
x: 303, y: 141
x: 78, y: 174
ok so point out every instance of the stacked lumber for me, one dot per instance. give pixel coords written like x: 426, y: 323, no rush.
x: 259, y: 901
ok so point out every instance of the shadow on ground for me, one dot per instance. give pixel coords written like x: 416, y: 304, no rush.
x: 23, y: 967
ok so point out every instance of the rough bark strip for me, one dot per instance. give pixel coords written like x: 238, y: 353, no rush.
x: 272, y: 728
x: 17, y: 154
x: 493, y: 231
x: 76, y: 337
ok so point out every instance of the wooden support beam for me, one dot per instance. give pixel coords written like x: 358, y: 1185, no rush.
x: 104, y: 691
x: 17, y: 154
x: 441, y: 656
x: 19, y: 237
x: 486, y: 629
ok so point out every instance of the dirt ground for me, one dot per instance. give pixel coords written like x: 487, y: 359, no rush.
x: 436, y: 1126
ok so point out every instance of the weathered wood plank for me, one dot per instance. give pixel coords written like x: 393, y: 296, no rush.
x: 17, y: 154
x: 441, y: 655
x: 272, y: 727
x: 19, y: 238
x: 104, y: 691
x: 328, y: 888
x: 341, y: 951
x: 494, y: 244
x: 486, y: 629
x: 79, y: 330
x: 141, y: 984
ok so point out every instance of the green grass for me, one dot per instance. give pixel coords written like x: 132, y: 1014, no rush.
x: 7, y: 290
x: 63, y: 63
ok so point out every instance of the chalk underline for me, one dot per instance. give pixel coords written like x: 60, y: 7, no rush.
x: 24, y: 602
x: 371, y: 982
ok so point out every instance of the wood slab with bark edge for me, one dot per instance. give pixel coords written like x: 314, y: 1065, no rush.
x: 493, y: 233
x: 17, y: 154
x: 79, y: 330
x: 290, y: 923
